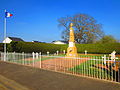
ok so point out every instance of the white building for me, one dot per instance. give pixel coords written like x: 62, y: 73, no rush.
x: 10, y: 39
x: 35, y: 41
x: 60, y: 42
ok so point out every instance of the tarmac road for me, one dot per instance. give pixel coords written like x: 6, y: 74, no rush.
x: 7, y: 84
x: 38, y: 79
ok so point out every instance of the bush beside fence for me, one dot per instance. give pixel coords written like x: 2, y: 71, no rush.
x: 2, y: 47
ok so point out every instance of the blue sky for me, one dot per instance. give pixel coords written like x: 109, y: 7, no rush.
x: 37, y: 19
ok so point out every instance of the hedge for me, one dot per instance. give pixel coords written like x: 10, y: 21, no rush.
x: 29, y: 47
x: 99, y: 48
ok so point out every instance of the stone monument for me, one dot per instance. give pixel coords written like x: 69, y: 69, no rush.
x: 71, y: 50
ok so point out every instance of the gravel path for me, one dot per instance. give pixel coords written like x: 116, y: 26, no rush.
x: 60, y: 64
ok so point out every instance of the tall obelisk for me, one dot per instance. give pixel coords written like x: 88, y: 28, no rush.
x: 71, y: 50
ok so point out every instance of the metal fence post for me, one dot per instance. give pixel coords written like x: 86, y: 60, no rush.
x: 23, y: 58
x: 33, y: 54
x: 7, y: 54
x: 40, y: 59
x: 13, y: 56
x: 0, y: 56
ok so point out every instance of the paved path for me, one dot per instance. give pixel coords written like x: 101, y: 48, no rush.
x: 38, y: 79
x: 7, y: 84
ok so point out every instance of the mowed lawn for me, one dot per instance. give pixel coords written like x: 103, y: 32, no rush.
x: 89, y: 68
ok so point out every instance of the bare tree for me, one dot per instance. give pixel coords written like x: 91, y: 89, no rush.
x: 85, y: 27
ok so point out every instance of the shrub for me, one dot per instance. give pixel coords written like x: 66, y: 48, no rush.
x: 2, y: 47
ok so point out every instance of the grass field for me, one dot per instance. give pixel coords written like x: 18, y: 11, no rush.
x: 89, y: 68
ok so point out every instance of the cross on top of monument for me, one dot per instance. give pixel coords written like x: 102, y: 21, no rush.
x: 71, y: 24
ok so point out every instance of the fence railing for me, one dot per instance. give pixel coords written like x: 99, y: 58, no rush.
x: 101, y: 67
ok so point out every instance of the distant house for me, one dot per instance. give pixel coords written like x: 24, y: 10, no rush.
x: 38, y: 42
x: 35, y: 41
x: 10, y: 39
x: 60, y: 42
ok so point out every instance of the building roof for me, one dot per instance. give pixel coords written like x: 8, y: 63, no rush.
x: 15, y: 39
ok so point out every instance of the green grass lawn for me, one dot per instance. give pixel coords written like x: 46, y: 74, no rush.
x: 21, y: 61
x: 89, y: 68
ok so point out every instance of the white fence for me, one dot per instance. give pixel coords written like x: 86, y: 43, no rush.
x: 101, y: 67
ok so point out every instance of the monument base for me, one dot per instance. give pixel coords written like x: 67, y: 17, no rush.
x: 72, y: 52
x: 72, y: 55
